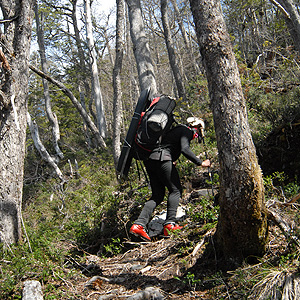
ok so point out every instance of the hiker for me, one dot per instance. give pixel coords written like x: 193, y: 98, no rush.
x: 162, y: 172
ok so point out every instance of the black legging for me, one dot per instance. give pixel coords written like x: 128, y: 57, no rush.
x: 162, y: 174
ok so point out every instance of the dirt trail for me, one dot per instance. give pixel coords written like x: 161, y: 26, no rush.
x: 158, y: 264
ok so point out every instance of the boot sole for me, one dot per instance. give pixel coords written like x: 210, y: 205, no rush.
x: 140, y: 236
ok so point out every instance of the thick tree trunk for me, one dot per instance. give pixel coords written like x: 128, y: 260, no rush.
x: 17, y: 35
x: 171, y: 51
x: 242, y: 227
x: 141, y: 47
x: 51, y: 116
x: 117, y: 107
x: 101, y: 123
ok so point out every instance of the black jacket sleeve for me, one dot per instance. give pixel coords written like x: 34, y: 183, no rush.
x: 186, y: 150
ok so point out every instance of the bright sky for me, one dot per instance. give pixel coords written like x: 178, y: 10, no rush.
x: 106, y: 5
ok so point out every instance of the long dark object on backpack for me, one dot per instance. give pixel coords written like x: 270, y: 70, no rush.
x: 208, y: 169
x: 156, y: 121
x: 126, y: 151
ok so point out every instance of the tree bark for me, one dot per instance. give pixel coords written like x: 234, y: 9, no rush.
x: 41, y: 148
x: 32, y: 290
x: 51, y: 116
x: 242, y: 226
x: 171, y: 51
x: 117, y: 106
x: 134, y: 89
x: 101, y: 123
x: 292, y: 19
x: 81, y: 56
x: 186, y: 40
x: 77, y: 105
x: 17, y: 33
x: 83, y: 86
x: 141, y: 47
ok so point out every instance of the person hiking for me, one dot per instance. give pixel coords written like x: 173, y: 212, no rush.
x: 163, y: 174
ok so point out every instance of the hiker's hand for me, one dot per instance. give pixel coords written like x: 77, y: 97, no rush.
x: 206, y: 163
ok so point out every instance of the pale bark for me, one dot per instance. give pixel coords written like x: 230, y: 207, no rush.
x: 107, y: 45
x: 117, y: 106
x: 84, y: 87
x: 96, y: 89
x: 129, y: 59
x: 242, y: 227
x: 41, y: 148
x: 17, y: 33
x: 32, y: 290
x: 292, y: 18
x: 50, y: 114
x: 148, y: 293
x: 77, y: 105
x: 171, y: 50
x: 85, y: 127
x: 82, y: 64
x: 141, y: 47
x: 185, y: 37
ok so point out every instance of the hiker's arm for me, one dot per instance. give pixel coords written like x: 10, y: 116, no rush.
x: 187, y: 152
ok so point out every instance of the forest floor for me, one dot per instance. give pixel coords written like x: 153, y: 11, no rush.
x: 183, y: 266
x: 175, y: 268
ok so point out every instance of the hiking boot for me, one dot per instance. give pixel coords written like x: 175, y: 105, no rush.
x: 168, y: 228
x: 139, y: 231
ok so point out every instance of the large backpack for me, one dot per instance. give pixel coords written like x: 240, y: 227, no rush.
x: 154, y: 123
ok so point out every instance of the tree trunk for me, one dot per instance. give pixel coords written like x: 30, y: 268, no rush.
x: 117, y: 106
x: 171, y: 51
x: 141, y: 47
x: 85, y: 127
x: 133, y: 89
x: 187, y: 43
x: 292, y: 18
x: 82, y: 64
x: 51, y: 116
x: 101, y: 123
x: 242, y: 227
x: 16, y: 44
x: 41, y: 148
x: 83, y: 86
x: 155, y: 49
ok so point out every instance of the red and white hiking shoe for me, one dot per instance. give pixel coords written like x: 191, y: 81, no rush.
x: 171, y: 227
x: 139, y: 231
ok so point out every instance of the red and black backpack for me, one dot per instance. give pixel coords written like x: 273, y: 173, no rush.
x: 154, y: 123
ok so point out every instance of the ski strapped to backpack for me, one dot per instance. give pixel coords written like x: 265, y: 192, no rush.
x: 126, y: 155
x: 154, y: 123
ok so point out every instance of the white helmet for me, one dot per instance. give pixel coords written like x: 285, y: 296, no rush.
x: 196, y: 122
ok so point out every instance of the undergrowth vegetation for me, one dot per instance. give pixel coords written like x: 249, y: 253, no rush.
x: 90, y: 212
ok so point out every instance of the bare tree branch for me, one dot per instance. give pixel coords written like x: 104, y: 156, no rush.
x: 281, y: 8
x: 76, y: 103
